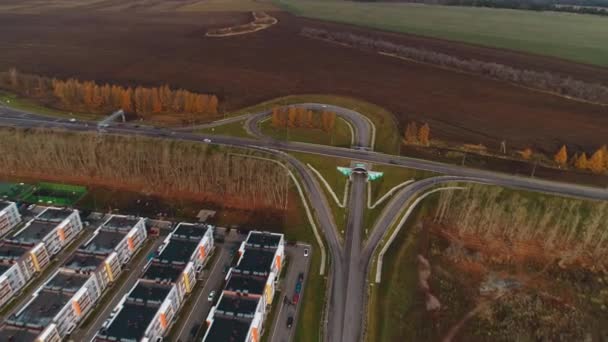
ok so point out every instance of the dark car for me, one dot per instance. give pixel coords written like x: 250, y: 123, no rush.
x: 194, y: 330
x: 289, y: 321
x: 301, y: 276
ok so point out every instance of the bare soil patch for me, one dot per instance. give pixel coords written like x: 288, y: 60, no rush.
x: 261, y: 21
x: 157, y: 48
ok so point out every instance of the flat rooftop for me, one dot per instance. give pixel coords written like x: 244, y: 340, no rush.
x: 256, y: 261
x: 246, y: 283
x: 41, y: 311
x: 66, y: 282
x: 34, y: 232
x: 13, y: 334
x: 145, y: 292
x: 103, y: 242
x: 4, y: 268
x: 235, y: 305
x: 121, y: 223
x: 189, y: 231
x: 4, y: 204
x: 83, y: 262
x: 162, y: 273
x: 264, y: 239
x: 228, y: 330
x: 54, y: 215
x: 178, y: 251
x: 130, y: 323
x: 12, y: 252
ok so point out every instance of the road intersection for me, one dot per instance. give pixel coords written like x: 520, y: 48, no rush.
x: 349, y: 263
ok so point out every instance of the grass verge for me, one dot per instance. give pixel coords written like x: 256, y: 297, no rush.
x: 233, y: 129
x: 14, y: 101
x: 395, y: 294
x: 340, y: 135
x: 327, y: 168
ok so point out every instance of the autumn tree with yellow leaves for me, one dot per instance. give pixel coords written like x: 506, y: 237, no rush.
x: 561, y: 157
x: 424, y: 134
x: 88, y: 96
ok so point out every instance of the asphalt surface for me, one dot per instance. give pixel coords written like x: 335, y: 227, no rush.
x: 298, y: 263
x: 340, y: 272
x: 355, y: 275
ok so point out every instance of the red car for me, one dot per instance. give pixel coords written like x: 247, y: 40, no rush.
x: 296, y: 298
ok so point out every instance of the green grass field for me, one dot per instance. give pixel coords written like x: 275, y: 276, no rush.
x: 340, y: 136
x: 576, y: 37
x: 233, y: 129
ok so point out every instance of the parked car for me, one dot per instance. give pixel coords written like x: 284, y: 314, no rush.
x: 301, y: 276
x: 207, y: 140
x: 306, y: 252
x: 289, y: 321
x: 211, y: 296
x: 296, y: 298
x: 194, y: 330
x: 298, y: 287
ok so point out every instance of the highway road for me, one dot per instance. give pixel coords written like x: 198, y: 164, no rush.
x: 340, y: 270
x: 355, y: 275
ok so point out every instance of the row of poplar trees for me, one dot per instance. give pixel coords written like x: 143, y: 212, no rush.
x: 75, y: 95
x: 596, y: 163
x: 298, y: 117
x: 415, y: 135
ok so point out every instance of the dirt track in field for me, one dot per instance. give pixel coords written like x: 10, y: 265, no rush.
x: 156, y: 48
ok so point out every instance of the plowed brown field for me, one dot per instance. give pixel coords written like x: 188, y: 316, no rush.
x: 157, y: 48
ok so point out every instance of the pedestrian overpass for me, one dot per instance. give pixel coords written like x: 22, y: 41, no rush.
x: 360, y: 168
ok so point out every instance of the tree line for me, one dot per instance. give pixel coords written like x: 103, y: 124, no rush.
x: 75, y: 95
x: 299, y: 117
x: 597, y: 162
x: 415, y: 135
x: 145, y: 164
x: 574, y: 6
x: 570, y: 228
x: 557, y: 84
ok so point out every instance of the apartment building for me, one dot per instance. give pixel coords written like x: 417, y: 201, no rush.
x: 9, y: 216
x: 71, y: 293
x: 54, y: 227
x: 240, y: 313
x: 135, y: 229
x: 30, y: 249
x: 148, y: 311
